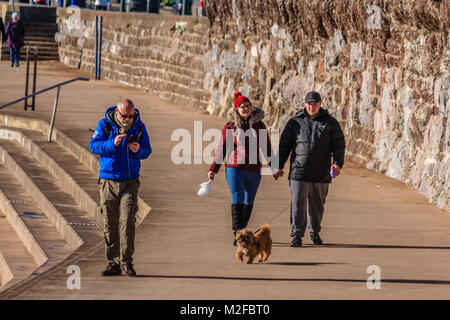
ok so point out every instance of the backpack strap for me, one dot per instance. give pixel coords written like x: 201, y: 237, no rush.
x: 107, y: 130
x: 140, y: 130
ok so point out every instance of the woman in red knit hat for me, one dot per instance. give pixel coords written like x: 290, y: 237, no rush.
x: 240, y: 145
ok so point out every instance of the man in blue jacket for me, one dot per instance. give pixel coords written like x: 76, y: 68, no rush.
x: 121, y: 140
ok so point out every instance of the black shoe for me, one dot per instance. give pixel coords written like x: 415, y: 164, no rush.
x: 296, y: 242
x: 128, y: 269
x: 113, y: 269
x: 12, y: 65
x: 17, y: 65
x: 315, y: 238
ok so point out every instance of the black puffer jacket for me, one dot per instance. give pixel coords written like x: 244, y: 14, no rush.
x: 312, y: 143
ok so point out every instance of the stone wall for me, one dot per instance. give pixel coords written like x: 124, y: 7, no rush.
x: 163, y: 55
x: 381, y: 66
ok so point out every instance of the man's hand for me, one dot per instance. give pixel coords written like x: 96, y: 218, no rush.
x: 336, y: 169
x: 118, y: 139
x: 134, y: 146
x: 277, y: 173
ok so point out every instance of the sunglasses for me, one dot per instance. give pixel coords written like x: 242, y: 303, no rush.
x: 245, y: 106
x: 126, y: 116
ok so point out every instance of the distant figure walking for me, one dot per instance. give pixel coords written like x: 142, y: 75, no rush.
x: 2, y: 30
x: 15, y: 33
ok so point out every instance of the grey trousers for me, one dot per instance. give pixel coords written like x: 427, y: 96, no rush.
x: 307, y: 206
x: 118, y: 205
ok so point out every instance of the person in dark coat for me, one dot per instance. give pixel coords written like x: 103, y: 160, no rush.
x: 15, y: 33
x: 2, y: 30
x: 317, y: 146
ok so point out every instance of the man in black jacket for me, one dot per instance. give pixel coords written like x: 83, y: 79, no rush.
x: 317, y: 147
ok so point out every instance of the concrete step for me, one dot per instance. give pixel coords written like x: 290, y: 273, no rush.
x: 83, y: 156
x: 16, y: 259
x: 40, y: 44
x: 44, y: 26
x: 42, y: 34
x: 35, y: 220
x: 41, y: 240
x: 65, y: 196
x: 39, y: 39
x: 84, y: 177
x: 84, y: 226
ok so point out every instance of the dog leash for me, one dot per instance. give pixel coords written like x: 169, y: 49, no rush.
x: 273, y: 218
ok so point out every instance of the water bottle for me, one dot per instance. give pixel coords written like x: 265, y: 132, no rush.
x: 332, y: 174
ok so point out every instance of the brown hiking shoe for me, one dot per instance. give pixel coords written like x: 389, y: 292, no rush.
x: 113, y: 269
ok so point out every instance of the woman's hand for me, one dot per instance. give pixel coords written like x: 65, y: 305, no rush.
x: 277, y: 173
x: 211, y: 175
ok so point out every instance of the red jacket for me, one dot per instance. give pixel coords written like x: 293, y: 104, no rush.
x: 244, y: 145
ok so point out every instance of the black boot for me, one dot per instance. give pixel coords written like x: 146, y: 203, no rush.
x: 237, y: 218
x: 247, y: 213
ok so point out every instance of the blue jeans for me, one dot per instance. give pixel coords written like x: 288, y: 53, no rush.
x: 14, y: 55
x: 243, y: 185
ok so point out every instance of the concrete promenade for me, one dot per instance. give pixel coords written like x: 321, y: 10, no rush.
x: 184, y: 246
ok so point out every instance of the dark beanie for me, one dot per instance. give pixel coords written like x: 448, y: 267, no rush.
x: 239, y: 99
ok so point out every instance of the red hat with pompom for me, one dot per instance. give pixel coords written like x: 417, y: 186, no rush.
x: 239, y: 99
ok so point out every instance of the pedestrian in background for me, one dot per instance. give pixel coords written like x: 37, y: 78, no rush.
x: 243, y: 170
x: 101, y: 4
x: 122, y: 141
x: 317, y: 146
x: 2, y: 30
x: 15, y: 33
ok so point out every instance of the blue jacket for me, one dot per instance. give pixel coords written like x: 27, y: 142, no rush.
x: 119, y: 163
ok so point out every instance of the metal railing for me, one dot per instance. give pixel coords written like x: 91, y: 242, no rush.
x: 58, y: 86
x: 34, y: 54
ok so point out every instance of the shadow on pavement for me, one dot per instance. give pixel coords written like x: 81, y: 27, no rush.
x: 359, y: 246
x: 405, y: 281
x: 381, y: 246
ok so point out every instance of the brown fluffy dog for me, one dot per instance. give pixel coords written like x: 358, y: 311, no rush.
x: 251, y: 245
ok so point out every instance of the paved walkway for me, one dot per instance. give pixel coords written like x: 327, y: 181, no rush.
x: 184, y: 247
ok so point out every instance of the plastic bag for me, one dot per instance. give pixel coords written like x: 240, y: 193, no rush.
x: 205, y: 189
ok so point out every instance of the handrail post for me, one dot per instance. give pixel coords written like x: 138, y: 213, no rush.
x: 96, y: 48
x: 100, y: 48
x: 53, y: 115
x: 36, y: 50
x: 27, y: 78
